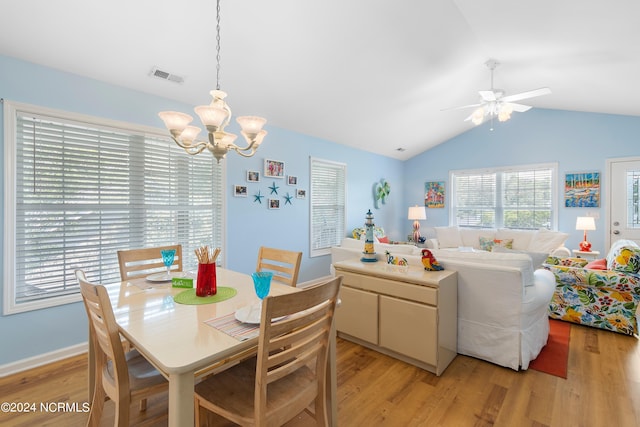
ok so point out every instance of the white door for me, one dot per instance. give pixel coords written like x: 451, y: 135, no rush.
x: 624, y: 202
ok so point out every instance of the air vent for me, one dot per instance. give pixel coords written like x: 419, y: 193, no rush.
x: 156, y: 72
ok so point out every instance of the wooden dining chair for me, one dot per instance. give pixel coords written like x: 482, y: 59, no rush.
x: 123, y: 378
x: 285, y: 265
x: 289, y: 371
x: 136, y: 263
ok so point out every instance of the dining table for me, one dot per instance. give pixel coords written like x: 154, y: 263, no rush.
x: 184, y: 340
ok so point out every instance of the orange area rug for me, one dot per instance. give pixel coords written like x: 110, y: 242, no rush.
x: 554, y: 357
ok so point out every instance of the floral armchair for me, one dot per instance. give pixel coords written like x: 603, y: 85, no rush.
x: 606, y: 299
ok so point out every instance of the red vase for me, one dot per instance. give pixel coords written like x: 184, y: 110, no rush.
x: 206, y: 282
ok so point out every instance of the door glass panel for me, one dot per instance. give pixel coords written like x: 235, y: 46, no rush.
x: 633, y: 201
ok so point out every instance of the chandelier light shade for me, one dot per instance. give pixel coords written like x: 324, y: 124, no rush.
x: 585, y: 223
x: 416, y: 214
x: 215, y: 117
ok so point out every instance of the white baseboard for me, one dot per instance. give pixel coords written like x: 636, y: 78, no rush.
x: 313, y: 282
x: 42, y: 359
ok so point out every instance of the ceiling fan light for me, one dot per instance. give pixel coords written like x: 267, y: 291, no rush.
x: 478, y: 116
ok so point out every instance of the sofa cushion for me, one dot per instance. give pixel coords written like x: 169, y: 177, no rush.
x: 521, y: 261
x: 471, y: 236
x: 626, y: 259
x: 537, y: 258
x: 521, y: 238
x: 547, y: 241
x: 448, y: 237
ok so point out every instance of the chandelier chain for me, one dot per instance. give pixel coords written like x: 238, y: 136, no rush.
x: 218, y: 45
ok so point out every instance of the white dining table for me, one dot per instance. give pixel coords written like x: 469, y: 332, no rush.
x: 176, y: 340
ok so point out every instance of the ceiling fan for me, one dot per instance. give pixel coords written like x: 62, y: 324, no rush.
x: 494, y: 103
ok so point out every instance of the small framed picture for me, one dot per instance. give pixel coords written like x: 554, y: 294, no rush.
x: 301, y: 194
x: 253, y: 176
x: 240, y: 190
x: 292, y: 180
x: 273, y: 168
x: 274, y: 204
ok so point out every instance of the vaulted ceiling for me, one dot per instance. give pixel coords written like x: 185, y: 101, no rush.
x: 365, y: 73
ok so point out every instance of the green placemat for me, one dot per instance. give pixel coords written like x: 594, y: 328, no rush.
x: 189, y: 296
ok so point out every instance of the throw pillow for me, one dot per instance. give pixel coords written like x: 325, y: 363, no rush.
x: 383, y: 239
x: 598, y: 264
x: 503, y: 243
x: 626, y: 260
x: 486, y: 243
x: 448, y: 237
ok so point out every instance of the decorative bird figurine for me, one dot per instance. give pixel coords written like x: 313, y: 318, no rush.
x: 429, y: 261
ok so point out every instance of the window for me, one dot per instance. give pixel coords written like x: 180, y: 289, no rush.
x: 79, y: 188
x: 328, y: 195
x: 519, y: 197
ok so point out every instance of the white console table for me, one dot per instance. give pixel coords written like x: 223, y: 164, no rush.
x: 404, y: 312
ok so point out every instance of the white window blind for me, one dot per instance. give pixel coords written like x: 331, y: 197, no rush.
x: 328, y: 197
x: 83, y: 188
x: 519, y: 197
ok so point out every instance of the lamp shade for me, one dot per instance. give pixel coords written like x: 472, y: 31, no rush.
x: 586, y: 223
x: 417, y: 213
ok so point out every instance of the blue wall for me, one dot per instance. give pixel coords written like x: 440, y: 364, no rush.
x: 576, y: 141
x: 249, y: 225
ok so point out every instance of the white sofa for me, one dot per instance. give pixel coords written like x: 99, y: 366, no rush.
x: 536, y: 243
x: 502, y: 301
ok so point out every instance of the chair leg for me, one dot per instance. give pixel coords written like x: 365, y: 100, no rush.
x: 97, y: 405
x: 122, y: 413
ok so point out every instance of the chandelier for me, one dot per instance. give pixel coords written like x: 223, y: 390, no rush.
x: 215, y: 117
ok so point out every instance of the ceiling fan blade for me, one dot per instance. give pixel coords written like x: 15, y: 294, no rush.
x: 487, y: 95
x: 528, y: 94
x: 461, y: 107
x: 520, y: 108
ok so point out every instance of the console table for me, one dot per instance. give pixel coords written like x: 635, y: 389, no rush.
x: 402, y: 311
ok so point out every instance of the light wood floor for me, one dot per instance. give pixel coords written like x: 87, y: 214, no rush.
x: 602, y: 389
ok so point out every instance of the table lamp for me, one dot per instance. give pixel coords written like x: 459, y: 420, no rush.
x: 417, y: 213
x: 585, y: 223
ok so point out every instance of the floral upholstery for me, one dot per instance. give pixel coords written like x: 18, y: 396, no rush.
x: 604, y: 299
x: 566, y: 262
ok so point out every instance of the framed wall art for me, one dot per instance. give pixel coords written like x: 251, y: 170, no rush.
x: 253, y: 176
x: 273, y: 168
x: 434, y: 194
x: 292, y: 180
x: 301, y: 194
x: 240, y: 190
x: 582, y: 190
x: 274, y: 204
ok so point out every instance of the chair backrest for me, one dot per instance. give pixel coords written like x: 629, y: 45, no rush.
x: 106, y: 337
x: 285, y: 265
x: 289, y: 343
x: 136, y: 263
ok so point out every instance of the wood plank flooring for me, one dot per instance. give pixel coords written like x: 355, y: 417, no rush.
x: 602, y: 389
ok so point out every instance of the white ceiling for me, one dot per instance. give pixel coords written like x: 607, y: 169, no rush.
x: 365, y: 73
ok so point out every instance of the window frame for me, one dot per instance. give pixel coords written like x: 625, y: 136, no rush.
x: 499, y: 192
x: 340, y: 201
x: 149, y: 135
